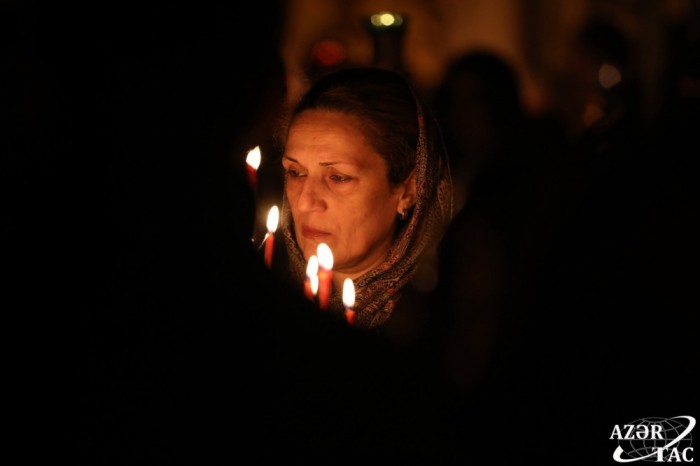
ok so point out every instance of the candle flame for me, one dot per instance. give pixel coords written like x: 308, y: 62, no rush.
x: 312, y: 267
x: 273, y: 219
x: 325, y: 256
x: 313, y: 281
x: 348, y: 293
x: 253, y: 157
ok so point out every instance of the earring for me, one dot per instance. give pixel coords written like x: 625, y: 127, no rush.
x: 402, y: 215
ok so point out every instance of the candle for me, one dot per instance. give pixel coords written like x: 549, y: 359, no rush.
x: 325, y: 264
x: 272, y: 220
x: 314, y: 285
x: 311, y: 283
x: 349, y: 300
x: 252, y: 161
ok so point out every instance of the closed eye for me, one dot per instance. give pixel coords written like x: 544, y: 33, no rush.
x: 294, y: 173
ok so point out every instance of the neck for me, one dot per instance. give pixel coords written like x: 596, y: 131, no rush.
x: 339, y: 279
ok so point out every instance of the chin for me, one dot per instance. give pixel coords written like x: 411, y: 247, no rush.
x: 309, y: 249
x: 307, y: 254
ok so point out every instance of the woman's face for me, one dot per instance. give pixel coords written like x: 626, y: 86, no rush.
x: 339, y: 192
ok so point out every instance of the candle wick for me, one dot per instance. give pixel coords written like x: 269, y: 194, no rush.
x: 262, y: 243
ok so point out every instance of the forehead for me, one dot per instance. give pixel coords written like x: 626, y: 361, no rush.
x: 330, y: 135
x: 320, y: 116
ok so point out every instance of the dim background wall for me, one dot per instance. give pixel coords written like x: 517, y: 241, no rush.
x: 535, y: 35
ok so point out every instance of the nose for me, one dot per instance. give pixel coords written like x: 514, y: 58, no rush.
x: 310, y: 197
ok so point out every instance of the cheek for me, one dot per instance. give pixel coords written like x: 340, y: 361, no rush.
x: 367, y: 224
x: 383, y: 206
x: 290, y: 191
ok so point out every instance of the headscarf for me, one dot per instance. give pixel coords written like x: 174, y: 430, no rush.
x: 378, y: 291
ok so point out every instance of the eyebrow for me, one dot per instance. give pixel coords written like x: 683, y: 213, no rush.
x: 323, y: 164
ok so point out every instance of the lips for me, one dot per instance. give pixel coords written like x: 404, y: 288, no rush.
x: 313, y: 233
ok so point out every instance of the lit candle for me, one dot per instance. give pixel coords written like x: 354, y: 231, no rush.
x: 252, y: 163
x: 272, y: 220
x: 311, y: 283
x: 349, y: 300
x: 314, y: 285
x: 325, y: 264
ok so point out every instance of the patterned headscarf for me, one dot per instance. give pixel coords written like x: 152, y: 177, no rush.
x: 377, y: 291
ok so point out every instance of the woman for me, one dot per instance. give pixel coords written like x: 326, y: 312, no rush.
x: 365, y: 173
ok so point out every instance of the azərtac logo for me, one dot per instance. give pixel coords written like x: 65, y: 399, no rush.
x: 655, y: 439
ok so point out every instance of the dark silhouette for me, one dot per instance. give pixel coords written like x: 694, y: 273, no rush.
x: 600, y: 100
x: 485, y: 126
x: 550, y: 274
x: 502, y: 161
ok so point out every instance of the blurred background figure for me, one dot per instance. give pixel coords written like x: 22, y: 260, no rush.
x: 602, y: 83
x: 485, y: 124
x: 502, y: 159
x: 679, y: 89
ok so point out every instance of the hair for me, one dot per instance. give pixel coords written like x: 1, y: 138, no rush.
x: 382, y: 101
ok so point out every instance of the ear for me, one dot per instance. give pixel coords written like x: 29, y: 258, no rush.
x: 408, y: 196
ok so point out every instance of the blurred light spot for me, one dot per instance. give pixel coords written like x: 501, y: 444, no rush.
x: 329, y: 53
x: 608, y: 76
x: 591, y: 114
x: 386, y: 19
